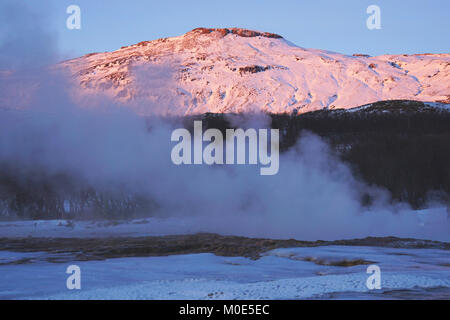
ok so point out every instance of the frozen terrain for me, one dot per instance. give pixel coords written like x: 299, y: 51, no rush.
x: 236, y: 70
x: 137, y: 260
x: 292, y: 273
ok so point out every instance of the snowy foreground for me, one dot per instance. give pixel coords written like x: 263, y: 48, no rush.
x: 320, y: 272
x: 293, y: 273
x: 324, y: 271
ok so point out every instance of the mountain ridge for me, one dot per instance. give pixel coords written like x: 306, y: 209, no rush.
x: 238, y: 70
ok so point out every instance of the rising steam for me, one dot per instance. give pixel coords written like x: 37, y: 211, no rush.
x: 108, y: 147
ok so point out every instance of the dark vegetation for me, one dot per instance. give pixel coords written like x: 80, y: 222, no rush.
x: 37, y: 194
x: 401, y: 146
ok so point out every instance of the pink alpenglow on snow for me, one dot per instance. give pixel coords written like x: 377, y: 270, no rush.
x: 237, y: 70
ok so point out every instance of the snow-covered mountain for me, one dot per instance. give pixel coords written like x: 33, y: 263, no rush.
x: 237, y: 70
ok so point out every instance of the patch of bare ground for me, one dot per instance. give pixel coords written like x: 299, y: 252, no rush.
x: 338, y: 263
x: 83, y: 249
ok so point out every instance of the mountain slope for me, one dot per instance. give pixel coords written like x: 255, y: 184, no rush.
x: 237, y: 70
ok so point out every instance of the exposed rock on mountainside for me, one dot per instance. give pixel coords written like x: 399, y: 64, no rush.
x: 239, y: 32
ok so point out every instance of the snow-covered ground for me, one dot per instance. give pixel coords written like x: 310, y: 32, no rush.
x: 294, y: 273
x: 438, y: 105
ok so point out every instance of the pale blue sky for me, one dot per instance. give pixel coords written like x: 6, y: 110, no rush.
x: 414, y: 26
